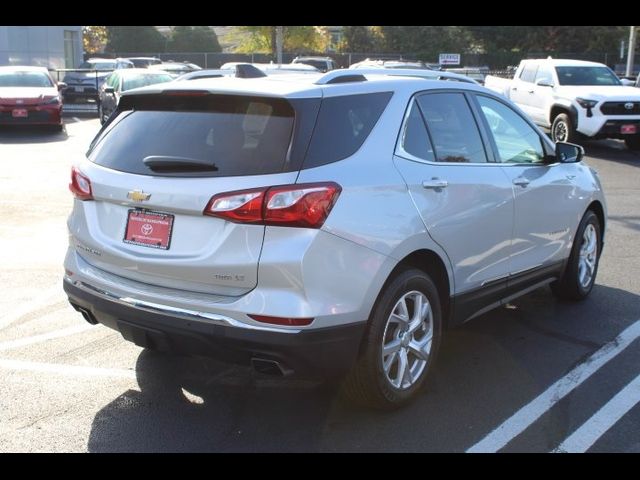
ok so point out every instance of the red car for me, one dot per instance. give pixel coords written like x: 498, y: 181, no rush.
x: 28, y: 95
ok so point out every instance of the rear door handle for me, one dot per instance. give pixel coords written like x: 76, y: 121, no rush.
x: 435, y: 183
x: 521, y: 181
x: 515, y: 89
x: 531, y: 91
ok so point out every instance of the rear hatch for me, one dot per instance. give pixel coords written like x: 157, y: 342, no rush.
x: 157, y: 164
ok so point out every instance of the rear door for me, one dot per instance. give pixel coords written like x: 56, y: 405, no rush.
x: 522, y: 87
x: 153, y: 170
x: 465, y: 202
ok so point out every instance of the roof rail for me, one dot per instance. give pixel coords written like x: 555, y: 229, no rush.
x: 332, y: 76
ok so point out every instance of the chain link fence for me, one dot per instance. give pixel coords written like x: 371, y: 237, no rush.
x: 493, y: 60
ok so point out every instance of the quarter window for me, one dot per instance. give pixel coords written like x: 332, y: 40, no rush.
x: 415, y: 139
x: 452, y: 127
x: 516, y: 140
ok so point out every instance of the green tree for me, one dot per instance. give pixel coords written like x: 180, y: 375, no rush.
x: 298, y: 39
x: 126, y: 39
x: 94, y: 38
x: 426, y: 42
x: 356, y: 39
x: 193, y: 39
x: 540, y: 39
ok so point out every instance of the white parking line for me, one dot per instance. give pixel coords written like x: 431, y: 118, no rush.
x: 47, y: 297
x: 605, y: 418
x: 528, y: 414
x: 69, y: 370
x: 21, y: 342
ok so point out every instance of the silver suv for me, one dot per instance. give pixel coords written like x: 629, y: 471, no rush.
x: 331, y: 225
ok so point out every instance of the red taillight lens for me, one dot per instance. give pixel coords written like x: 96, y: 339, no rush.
x: 242, y: 206
x: 80, y: 185
x: 294, y: 322
x: 304, y: 205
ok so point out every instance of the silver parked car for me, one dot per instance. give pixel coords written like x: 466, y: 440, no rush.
x: 332, y: 225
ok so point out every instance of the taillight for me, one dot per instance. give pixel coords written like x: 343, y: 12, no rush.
x: 80, y: 185
x: 243, y: 206
x: 294, y: 322
x: 304, y: 205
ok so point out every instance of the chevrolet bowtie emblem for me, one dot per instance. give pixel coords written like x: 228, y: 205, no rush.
x: 138, y: 196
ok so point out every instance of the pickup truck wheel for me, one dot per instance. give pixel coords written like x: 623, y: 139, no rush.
x: 400, y: 345
x: 563, y: 130
x: 633, y: 143
x: 582, y: 267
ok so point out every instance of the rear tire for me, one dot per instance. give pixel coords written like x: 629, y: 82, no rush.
x: 633, y: 143
x: 563, y: 129
x: 407, y: 322
x: 582, y: 267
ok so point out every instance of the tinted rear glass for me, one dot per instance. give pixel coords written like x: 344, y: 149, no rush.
x: 144, y: 79
x: 25, y: 79
x: 225, y: 136
x: 344, y: 123
x: 98, y: 65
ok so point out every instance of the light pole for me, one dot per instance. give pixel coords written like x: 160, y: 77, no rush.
x: 631, y: 52
x: 279, y: 41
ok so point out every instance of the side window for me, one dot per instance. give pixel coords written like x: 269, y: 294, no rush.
x: 544, y: 73
x: 415, y: 139
x: 528, y: 73
x: 516, y: 140
x: 452, y: 127
x: 343, y: 124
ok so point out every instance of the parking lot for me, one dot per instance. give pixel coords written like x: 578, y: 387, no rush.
x: 535, y: 376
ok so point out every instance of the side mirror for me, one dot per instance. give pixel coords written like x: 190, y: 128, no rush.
x: 569, y: 152
x: 110, y: 90
x: 627, y: 82
x: 544, y: 83
x: 61, y: 86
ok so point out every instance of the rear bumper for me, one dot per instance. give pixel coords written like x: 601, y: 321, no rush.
x: 50, y: 115
x: 324, y: 352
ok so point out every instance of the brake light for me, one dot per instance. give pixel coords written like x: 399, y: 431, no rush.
x: 80, y: 185
x: 304, y: 205
x: 294, y: 322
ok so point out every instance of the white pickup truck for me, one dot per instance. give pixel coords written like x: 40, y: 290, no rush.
x: 574, y: 98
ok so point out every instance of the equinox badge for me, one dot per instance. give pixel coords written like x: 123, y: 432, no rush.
x: 138, y: 196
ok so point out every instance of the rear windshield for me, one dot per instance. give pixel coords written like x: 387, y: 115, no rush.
x: 98, y: 66
x: 144, y: 79
x: 25, y: 79
x: 216, y: 135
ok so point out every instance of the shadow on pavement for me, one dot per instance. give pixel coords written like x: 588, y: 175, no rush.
x: 196, y: 404
x: 487, y: 369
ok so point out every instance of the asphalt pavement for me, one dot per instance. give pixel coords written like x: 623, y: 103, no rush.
x: 536, y: 376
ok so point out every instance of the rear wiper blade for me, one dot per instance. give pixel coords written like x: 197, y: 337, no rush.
x: 178, y: 164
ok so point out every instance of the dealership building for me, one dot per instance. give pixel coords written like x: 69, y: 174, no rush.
x: 51, y: 47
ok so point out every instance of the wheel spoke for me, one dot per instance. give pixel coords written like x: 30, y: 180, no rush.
x: 391, y: 347
x: 401, y: 312
x: 422, y: 348
x: 386, y: 365
x: 403, y: 364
